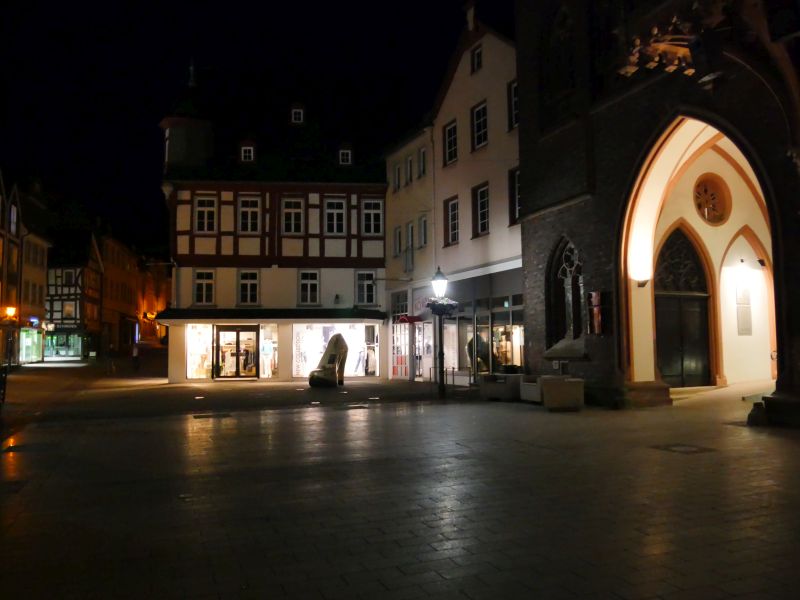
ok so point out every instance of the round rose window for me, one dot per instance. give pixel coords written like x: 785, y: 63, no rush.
x: 712, y: 199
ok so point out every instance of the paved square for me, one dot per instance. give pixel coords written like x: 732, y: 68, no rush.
x: 403, y: 500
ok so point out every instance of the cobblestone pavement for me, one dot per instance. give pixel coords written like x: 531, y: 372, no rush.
x: 404, y: 500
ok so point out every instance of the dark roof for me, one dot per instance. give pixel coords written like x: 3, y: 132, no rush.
x: 284, y: 151
x: 179, y: 314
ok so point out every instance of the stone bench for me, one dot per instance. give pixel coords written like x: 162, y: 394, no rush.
x: 499, y: 386
x: 561, y: 393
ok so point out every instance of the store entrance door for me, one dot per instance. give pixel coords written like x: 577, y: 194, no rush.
x: 237, y: 352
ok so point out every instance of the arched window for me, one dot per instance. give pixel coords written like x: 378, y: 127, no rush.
x: 565, y: 317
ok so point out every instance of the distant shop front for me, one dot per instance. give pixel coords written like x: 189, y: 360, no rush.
x: 268, y: 344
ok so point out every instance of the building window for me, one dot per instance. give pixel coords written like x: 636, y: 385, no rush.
x: 248, y: 287
x: 292, y: 216
x: 513, y: 105
x: 248, y: 214
x: 480, y: 210
x: 480, y: 126
x: 450, y: 146
x: 309, y: 287
x: 514, y: 205
x: 397, y: 242
x: 399, y: 303
x: 372, y: 217
x: 564, y: 294
x: 13, y: 220
x: 423, y: 231
x: 408, y: 264
x: 204, y: 287
x: 451, y: 221
x: 422, y: 162
x: 69, y: 310
x: 298, y: 115
x: 396, y: 177
x: 476, y: 59
x: 205, y: 215
x: 334, y: 216
x: 409, y: 169
x: 365, y: 287
x: 248, y: 154
x: 345, y: 157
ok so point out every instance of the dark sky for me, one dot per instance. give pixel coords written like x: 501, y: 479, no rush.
x: 83, y: 90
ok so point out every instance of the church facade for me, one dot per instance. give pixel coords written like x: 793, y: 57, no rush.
x: 660, y: 183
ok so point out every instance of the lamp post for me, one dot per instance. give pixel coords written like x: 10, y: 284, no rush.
x: 440, y: 306
x: 10, y: 313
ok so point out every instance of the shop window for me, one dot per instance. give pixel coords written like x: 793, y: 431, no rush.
x: 309, y: 287
x: 198, y: 351
x: 292, y: 216
x: 564, y: 294
x: 372, y: 217
x: 248, y: 287
x: 365, y: 288
x: 268, y: 351
x: 248, y: 214
x: 310, y: 340
x: 205, y: 212
x: 204, y: 287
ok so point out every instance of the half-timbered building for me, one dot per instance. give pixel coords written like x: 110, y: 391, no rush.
x: 74, y: 286
x: 277, y: 238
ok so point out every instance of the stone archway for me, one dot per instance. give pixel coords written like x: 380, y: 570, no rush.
x: 696, y: 179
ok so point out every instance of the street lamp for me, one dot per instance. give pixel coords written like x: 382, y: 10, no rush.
x: 10, y: 314
x: 440, y: 306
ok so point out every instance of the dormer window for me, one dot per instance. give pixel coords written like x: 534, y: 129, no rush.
x: 345, y: 157
x: 298, y: 115
x: 476, y: 59
x: 248, y: 154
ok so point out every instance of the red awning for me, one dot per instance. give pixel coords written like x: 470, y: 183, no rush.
x: 409, y: 319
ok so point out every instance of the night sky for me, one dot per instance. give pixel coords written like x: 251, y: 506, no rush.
x: 83, y: 90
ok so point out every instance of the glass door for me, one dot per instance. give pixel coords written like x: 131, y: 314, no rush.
x: 237, y: 352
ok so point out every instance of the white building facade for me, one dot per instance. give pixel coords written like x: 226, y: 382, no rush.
x: 469, y: 200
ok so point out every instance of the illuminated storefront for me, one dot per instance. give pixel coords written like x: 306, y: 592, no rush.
x: 484, y: 334
x: 275, y: 348
x: 63, y: 345
x: 31, y: 345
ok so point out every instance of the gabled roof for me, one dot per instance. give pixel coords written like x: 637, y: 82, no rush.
x: 501, y: 28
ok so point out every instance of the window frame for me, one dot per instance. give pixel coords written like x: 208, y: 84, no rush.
x: 408, y: 255
x: 368, y: 285
x: 422, y: 162
x: 297, y: 111
x: 479, y: 230
x: 247, y: 153
x: 409, y: 169
x: 208, y: 283
x: 345, y: 157
x: 205, y: 211
x: 251, y: 283
x: 475, y: 121
x: 397, y: 241
x: 451, y: 235
x: 513, y: 104
x: 368, y: 210
x: 514, y: 201
x: 294, y: 211
x: 312, y: 283
x: 240, y: 209
x: 422, y: 226
x: 341, y: 212
x: 476, y: 59
x: 447, y: 159
x: 396, y: 182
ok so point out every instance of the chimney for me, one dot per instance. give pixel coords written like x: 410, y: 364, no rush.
x: 469, y: 10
